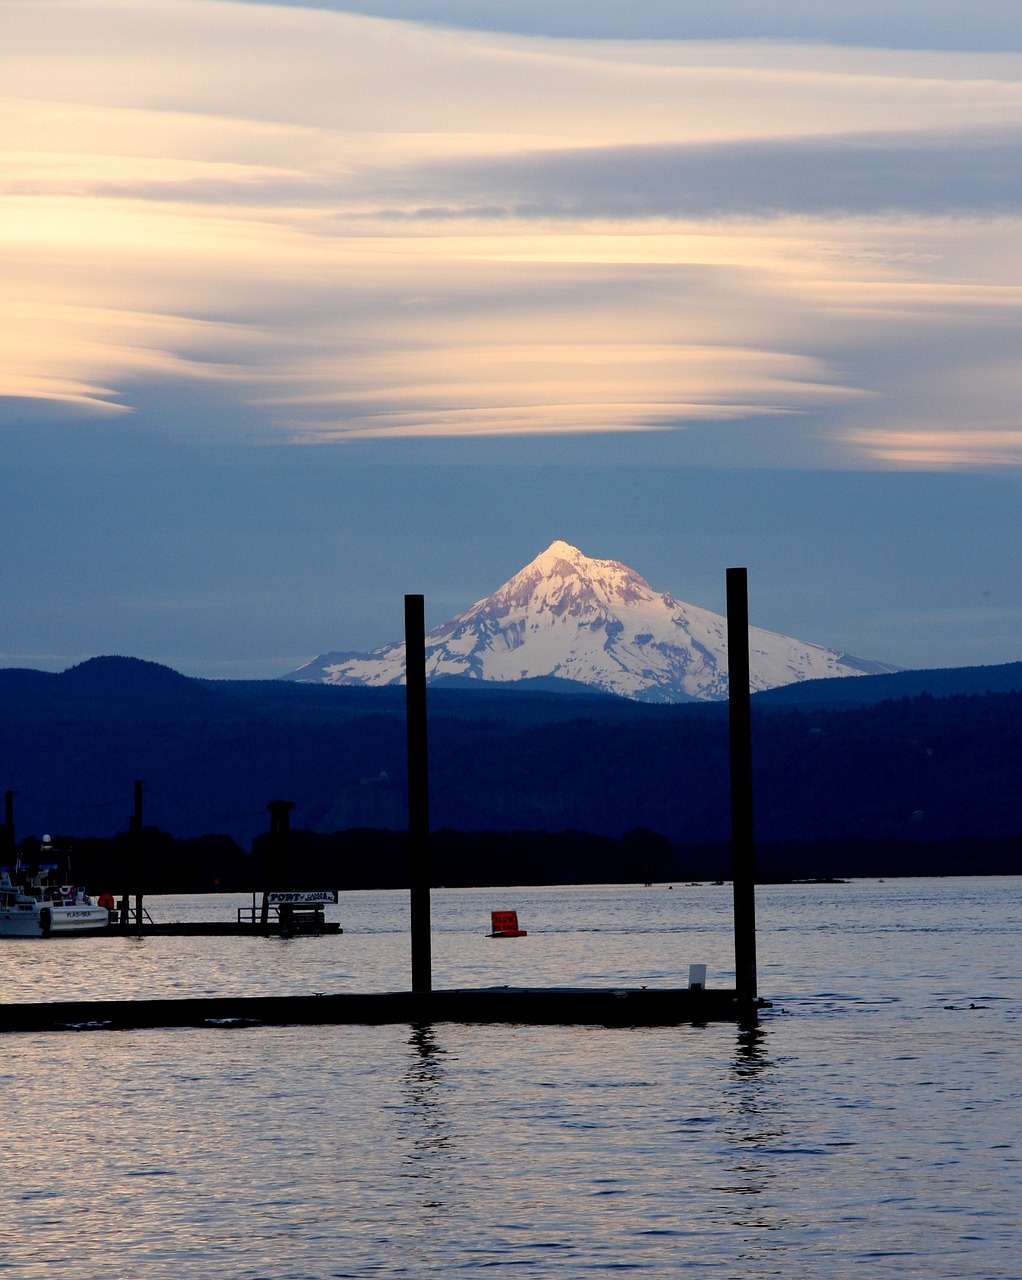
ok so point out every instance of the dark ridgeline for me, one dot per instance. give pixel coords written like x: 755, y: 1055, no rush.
x: 894, y: 787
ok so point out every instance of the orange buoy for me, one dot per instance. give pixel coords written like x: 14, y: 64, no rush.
x: 504, y: 924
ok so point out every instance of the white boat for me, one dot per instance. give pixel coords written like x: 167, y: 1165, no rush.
x: 33, y: 905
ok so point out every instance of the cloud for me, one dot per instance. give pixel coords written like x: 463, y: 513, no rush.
x: 347, y: 226
x: 923, y: 448
x: 913, y: 24
x: 926, y: 173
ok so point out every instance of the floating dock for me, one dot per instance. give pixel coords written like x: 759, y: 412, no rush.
x: 285, y: 914
x: 555, y: 1006
x: 208, y: 929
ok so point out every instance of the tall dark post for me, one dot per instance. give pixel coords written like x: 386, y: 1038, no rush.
x: 135, y: 855
x: 418, y: 791
x: 743, y: 862
x: 8, y: 844
x: 277, y: 867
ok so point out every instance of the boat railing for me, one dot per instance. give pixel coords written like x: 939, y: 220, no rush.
x: 122, y: 917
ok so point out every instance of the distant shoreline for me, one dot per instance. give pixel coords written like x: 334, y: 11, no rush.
x: 370, y: 858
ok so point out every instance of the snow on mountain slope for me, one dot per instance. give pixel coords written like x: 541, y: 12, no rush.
x: 597, y: 622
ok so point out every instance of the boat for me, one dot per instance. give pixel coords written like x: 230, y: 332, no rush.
x: 34, y: 905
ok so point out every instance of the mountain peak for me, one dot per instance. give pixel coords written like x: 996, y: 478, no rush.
x: 596, y: 622
x: 563, y: 579
x: 559, y: 560
x: 561, y: 557
x: 561, y: 551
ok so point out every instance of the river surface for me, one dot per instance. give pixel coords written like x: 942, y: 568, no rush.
x: 872, y: 1126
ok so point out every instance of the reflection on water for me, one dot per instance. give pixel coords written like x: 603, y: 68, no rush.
x: 424, y: 1123
x: 871, y: 1131
x: 754, y: 1127
x: 753, y: 1101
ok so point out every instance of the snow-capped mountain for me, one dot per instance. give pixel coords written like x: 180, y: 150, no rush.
x: 597, y: 622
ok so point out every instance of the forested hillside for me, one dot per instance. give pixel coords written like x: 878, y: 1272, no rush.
x: 921, y: 769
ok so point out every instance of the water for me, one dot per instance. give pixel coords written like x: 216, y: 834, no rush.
x: 870, y: 1128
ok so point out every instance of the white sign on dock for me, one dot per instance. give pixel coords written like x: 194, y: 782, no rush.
x: 302, y: 898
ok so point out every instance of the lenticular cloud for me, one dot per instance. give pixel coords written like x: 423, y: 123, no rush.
x: 310, y: 225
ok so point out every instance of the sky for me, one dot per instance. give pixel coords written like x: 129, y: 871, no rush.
x: 306, y: 307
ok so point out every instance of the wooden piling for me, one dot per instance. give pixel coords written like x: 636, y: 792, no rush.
x: 8, y: 843
x: 277, y: 871
x: 135, y: 853
x: 743, y: 862
x: 418, y: 792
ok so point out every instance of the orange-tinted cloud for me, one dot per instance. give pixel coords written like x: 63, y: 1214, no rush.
x: 362, y: 226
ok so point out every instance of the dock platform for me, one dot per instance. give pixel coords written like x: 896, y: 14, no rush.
x: 210, y: 929
x: 556, y: 1006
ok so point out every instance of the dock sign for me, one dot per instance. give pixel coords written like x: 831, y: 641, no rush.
x: 302, y: 898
